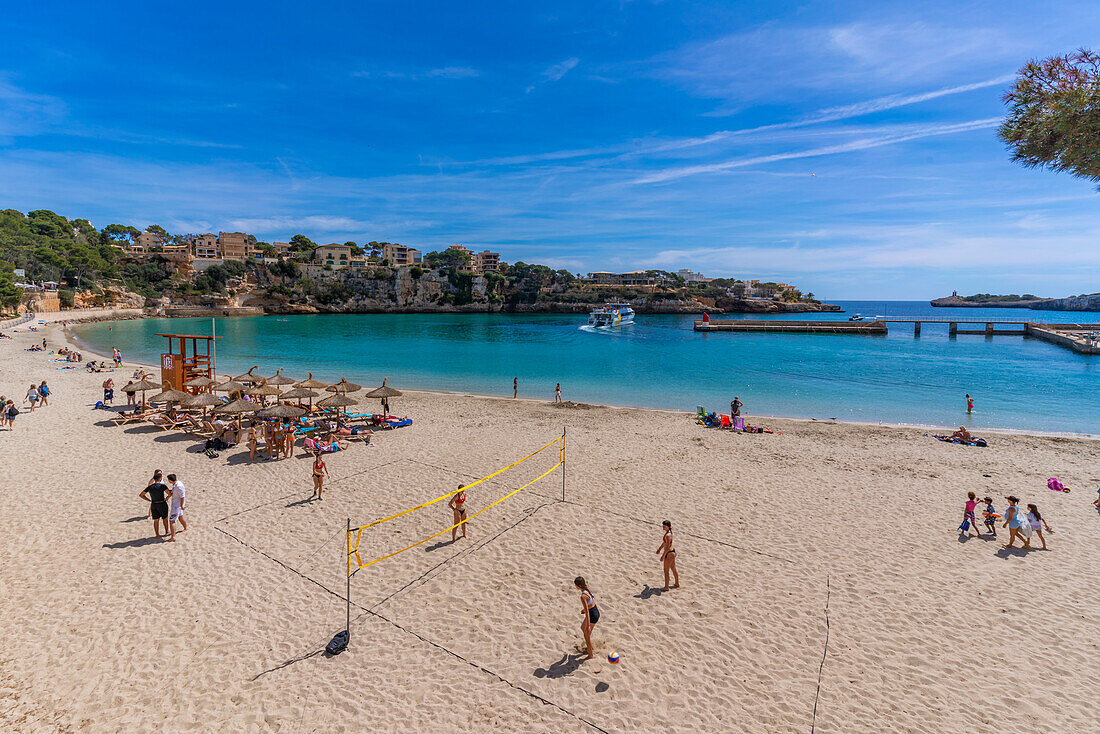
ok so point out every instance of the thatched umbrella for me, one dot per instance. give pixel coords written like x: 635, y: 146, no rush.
x: 311, y: 383
x: 203, y: 400
x: 237, y: 406
x: 280, y: 379
x: 249, y: 376
x: 231, y: 386
x: 343, y: 386
x: 384, y: 393
x: 169, y: 395
x: 143, y: 385
x: 280, y: 410
x: 263, y: 391
x: 337, y: 401
x: 297, y: 393
x: 202, y: 382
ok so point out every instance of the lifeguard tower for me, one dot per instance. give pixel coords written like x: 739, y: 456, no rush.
x: 188, y: 356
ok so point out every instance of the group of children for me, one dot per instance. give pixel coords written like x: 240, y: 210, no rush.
x: 37, y: 396
x: 1013, y: 519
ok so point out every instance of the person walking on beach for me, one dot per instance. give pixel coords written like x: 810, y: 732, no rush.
x: 10, y: 414
x: 991, y: 516
x: 458, y: 506
x: 44, y: 393
x: 591, y: 614
x: 108, y: 391
x: 1038, y: 524
x: 175, y: 512
x: 320, y: 471
x: 1013, y: 521
x: 969, y: 404
x: 668, y: 555
x: 117, y: 356
x: 515, y: 387
x: 557, y: 393
x: 157, y: 494
x: 969, y: 520
x: 32, y: 396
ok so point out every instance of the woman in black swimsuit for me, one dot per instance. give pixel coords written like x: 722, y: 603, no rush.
x: 668, y: 555
x: 590, y: 612
x: 458, y: 505
x: 157, y: 494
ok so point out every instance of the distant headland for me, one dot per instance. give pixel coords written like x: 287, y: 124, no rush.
x: 1084, y: 302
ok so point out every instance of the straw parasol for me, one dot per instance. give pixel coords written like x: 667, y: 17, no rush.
x: 231, y: 386
x: 202, y: 381
x: 339, y: 400
x: 297, y: 393
x: 280, y: 379
x: 343, y: 386
x: 311, y: 383
x: 142, y: 385
x: 237, y: 406
x: 169, y: 395
x: 384, y: 393
x: 203, y: 400
x: 279, y: 410
x: 248, y: 376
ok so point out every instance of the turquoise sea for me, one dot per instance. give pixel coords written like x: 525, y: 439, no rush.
x: 660, y: 362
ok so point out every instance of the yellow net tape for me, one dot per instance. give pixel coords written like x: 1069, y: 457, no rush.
x: 353, y: 550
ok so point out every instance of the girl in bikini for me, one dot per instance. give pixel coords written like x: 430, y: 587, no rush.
x: 319, y: 473
x: 590, y: 612
x: 668, y: 555
x: 458, y: 505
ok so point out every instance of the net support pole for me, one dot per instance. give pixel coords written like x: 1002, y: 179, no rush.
x: 563, y: 463
x: 347, y: 572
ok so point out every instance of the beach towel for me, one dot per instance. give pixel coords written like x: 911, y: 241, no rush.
x: 950, y: 439
x: 1056, y: 485
x: 738, y: 423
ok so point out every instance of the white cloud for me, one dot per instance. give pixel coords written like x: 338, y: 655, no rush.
x: 453, y: 72
x: 849, y: 147
x: 310, y: 223
x: 557, y: 71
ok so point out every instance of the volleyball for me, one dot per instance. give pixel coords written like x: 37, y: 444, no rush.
x: 613, y: 657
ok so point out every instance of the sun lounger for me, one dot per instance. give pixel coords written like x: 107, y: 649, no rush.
x: 122, y: 419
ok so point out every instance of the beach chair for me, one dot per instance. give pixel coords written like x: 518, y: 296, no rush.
x: 168, y: 424
x: 121, y: 420
x: 725, y: 421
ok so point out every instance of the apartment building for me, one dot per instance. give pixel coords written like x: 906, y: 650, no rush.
x: 399, y: 255
x: 282, y: 249
x: 205, y: 246
x: 146, y: 241
x: 234, y: 246
x: 635, y: 278
x: 480, y: 262
x: 691, y: 277
x: 332, y: 255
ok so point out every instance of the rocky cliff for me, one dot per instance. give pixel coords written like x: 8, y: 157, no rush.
x: 762, y: 305
x: 1089, y: 302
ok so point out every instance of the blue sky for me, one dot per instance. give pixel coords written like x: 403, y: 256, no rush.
x: 585, y: 135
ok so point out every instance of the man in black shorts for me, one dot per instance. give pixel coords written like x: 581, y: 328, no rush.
x: 158, y: 494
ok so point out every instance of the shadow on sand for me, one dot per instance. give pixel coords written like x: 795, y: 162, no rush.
x: 134, y: 543
x: 561, y: 668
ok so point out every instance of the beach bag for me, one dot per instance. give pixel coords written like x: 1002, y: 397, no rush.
x: 965, y: 526
x: 338, y: 643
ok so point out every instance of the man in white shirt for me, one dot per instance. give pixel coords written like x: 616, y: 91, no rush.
x: 179, y: 503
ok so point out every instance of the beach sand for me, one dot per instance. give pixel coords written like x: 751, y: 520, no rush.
x: 824, y: 533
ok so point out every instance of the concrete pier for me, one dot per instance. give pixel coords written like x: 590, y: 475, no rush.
x: 1081, y: 338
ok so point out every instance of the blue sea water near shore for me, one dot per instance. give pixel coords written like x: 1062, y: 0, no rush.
x: 660, y: 362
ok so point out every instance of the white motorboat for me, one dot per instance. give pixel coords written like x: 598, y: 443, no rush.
x: 611, y: 314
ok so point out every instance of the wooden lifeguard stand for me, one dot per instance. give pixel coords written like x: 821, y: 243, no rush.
x: 188, y: 356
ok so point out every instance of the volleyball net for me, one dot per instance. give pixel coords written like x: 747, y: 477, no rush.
x: 355, y: 562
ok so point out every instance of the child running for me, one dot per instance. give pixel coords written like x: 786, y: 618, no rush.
x: 590, y: 612
x: 991, y: 516
x: 458, y: 505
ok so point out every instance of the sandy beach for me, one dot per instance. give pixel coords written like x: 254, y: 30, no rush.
x: 824, y: 585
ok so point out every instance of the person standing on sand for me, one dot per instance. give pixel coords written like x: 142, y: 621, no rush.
x: 668, y: 555
x: 557, y: 393
x: 117, y: 356
x: 320, y: 471
x: 969, y: 404
x: 969, y: 520
x: 458, y: 505
x: 108, y: 391
x: 1013, y: 521
x: 515, y: 387
x: 252, y: 441
x: 735, y: 407
x: 175, y: 512
x: 157, y: 494
x: 590, y: 612
x: 1037, y: 525
x: 44, y: 393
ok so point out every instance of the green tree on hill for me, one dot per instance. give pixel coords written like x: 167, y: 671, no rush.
x: 1053, y: 118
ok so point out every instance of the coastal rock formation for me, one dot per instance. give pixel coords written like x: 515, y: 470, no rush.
x: 1090, y: 302
x: 960, y: 302
x: 764, y: 305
